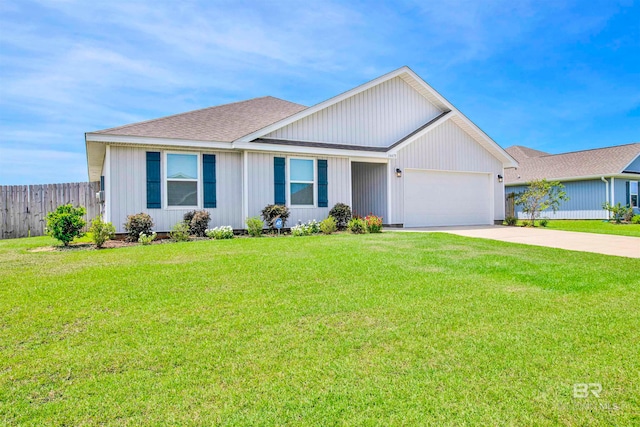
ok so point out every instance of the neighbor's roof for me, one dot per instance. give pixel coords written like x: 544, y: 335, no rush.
x: 223, y: 123
x: 587, y: 163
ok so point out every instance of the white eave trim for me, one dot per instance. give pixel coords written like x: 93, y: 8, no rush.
x: 297, y: 149
x: 630, y: 163
x: 141, y: 140
x: 632, y: 176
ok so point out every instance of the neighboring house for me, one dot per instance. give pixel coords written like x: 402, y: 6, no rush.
x: 590, y: 177
x: 393, y: 147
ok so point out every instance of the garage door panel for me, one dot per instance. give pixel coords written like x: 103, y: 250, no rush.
x: 435, y: 198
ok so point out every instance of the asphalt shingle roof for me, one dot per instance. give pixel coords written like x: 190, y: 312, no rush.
x: 223, y: 123
x: 538, y: 165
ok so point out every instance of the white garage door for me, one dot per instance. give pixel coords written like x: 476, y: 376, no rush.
x: 435, y: 198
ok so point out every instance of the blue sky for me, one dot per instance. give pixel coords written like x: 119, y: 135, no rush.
x: 552, y: 75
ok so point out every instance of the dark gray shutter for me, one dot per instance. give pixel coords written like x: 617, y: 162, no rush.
x: 102, y: 183
x: 154, y: 200
x: 628, y: 199
x: 209, y: 180
x: 279, y: 181
x: 323, y: 193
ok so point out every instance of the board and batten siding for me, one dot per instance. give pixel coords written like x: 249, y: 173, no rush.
x: 261, y: 189
x: 446, y: 148
x: 377, y: 117
x: 128, y: 192
x: 369, y: 186
x: 634, y: 166
x: 585, y: 200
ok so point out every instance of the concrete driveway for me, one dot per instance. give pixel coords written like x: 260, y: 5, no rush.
x: 574, y: 241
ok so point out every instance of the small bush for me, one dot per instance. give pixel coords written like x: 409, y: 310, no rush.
x: 271, y: 213
x: 198, y: 222
x: 617, y: 212
x: 65, y: 223
x: 101, y: 231
x: 543, y: 222
x: 219, y: 233
x: 374, y: 223
x: 328, y: 225
x: 342, y: 214
x: 526, y: 223
x: 138, y: 224
x: 180, y: 232
x: 635, y: 219
x: 511, y: 221
x: 146, y: 239
x: 254, y: 226
x: 628, y: 214
x: 357, y: 226
x: 311, y: 227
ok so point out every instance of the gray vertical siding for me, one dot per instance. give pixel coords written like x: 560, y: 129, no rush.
x: 128, y: 189
x: 261, y: 192
x: 634, y: 166
x: 369, y: 188
x: 447, y: 148
x: 585, y: 200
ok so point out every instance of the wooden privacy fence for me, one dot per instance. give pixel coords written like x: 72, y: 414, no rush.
x: 509, y: 205
x: 23, y: 208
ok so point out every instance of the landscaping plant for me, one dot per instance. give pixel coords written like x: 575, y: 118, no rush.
x: 146, y: 239
x: 66, y: 223
x: 254, y: 226
x: 180, y: 232
x: 374, y: 223
x: 138, y: 224
x: 635, y: 219
x: 328, y: 225
x: 301, y: 229
x: 219, y: 233
x: 342, y: 214
x: 101, y: 231
x: 617, y: 212
x: 198, y: 222
x: 539, y: 196
x: 271, y: 213
x: 357, y: 226
x: 511, y: 220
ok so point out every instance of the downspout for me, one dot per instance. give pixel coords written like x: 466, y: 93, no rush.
x: 606, y: 187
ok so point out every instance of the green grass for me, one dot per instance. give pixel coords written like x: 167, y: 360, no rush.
x: 595, y: 226
x: 388, y: 329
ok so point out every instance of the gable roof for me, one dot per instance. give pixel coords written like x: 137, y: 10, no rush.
x: 566, y: 166
x: 222, y: 123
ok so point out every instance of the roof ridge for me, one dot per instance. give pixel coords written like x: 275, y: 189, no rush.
x: 593, y: 149
x: 190, y: 112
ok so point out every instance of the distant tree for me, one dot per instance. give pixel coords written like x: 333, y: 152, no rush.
x: 539, y: 196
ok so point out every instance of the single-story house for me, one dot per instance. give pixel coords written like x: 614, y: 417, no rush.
x: 590, y: 177
x: 393, y: 147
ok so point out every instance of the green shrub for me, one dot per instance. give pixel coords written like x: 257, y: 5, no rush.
x: 101, y: 231
x: 180, y: 232
x: 617, y: 212
x: 635, y: 219
x: 357, y: 226
x: 271, y: 213
x: 526, y: 223
x: 511, y: 221
x: 374, y: 223
x: 254, y: 226
x: 198, y: 222
x: 146, y: 239
x: 342, y: 214
x: 328, y: 225
x: 66, y: 223
x: 628, y: 214
x: 543, y: 222
x: 219, y: 233
x: 311, y: 227
x: 138, y: 224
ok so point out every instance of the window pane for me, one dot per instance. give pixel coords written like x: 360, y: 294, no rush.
x: 301, y: 194
x: 634, y: 200
x: 182, y: 193
x: 182, y: 166
x: 301, y: 170
x: 633, y: 187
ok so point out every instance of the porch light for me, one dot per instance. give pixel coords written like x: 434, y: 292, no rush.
x: 398, y: 173
x: 500, y: 179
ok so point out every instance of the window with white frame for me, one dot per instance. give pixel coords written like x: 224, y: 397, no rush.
x: 182, y: 180
x: 633, y: 194
x: 302, y: 182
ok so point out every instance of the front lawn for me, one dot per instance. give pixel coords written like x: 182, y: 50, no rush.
x: 595, y: 226
x: 388, y: 329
